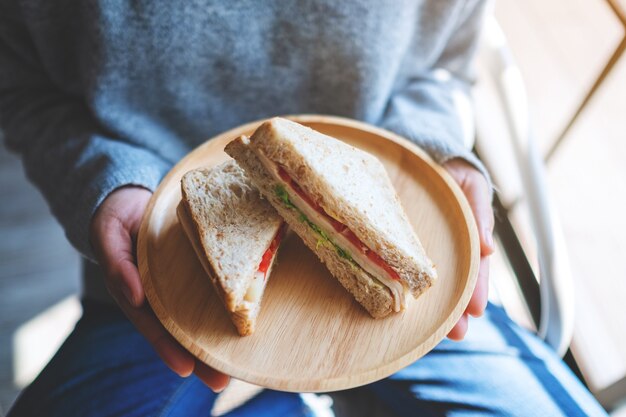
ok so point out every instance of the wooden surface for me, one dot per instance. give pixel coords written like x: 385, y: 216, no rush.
x: 311, y: 335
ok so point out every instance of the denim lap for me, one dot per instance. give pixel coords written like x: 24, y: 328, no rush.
x: 106, y: 368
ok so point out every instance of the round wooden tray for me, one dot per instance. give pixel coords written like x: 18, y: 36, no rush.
x: 311, y: 335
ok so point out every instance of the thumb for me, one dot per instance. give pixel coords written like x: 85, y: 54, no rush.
x: 116, y: 255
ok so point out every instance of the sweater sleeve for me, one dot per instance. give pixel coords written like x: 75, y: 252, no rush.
x: 73, y: 161
x: 423, y: 109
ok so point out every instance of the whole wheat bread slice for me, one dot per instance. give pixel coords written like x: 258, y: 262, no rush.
x: 230, y: 227
x: 353, y: 187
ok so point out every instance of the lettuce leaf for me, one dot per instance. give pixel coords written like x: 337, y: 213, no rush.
x: 323, y: 238
x: 282, y: 194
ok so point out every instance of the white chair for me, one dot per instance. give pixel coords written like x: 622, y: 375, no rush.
x: 500, y: 75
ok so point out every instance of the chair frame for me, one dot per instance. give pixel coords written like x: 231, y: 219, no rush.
x: 552, y: 304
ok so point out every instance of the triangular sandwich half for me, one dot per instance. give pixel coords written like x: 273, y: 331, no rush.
x: 342, y: 204
x: 235, y: 234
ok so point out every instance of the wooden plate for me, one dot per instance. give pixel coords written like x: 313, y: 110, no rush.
x: 311, y: 335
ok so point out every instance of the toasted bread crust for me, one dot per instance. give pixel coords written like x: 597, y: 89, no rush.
x: 375, y: 298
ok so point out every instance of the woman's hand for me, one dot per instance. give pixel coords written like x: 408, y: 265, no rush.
x: 476, y: 189
x: 113, y: 235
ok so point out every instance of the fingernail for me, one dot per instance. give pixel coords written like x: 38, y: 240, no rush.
x: 489, y: 238
x: 223, y: 387
x: 128, y: 294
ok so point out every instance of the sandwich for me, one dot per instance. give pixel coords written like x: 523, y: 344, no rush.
x: 340, y: 201
x: 235, y: 235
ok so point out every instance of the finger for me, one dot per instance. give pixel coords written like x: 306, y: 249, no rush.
x: 169, y: 350
x: 116, y: 255
x: 460, y: 328
x: 215, y: 380
x: 478, y: 196
x: 478, y: 301
x: 131, y: 279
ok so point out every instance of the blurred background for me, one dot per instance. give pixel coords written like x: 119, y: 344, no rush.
x: 569, y: 54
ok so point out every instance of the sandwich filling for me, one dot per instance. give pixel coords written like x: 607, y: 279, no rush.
x: 334, y: 234
x: 253, y: 295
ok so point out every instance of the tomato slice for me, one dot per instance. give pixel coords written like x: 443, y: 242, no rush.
x: 373, y: 256
x: 349, y: 234
x: 266, y: 260
x: 337, y: 225
x: 283, y: 174
x: 306, y: 198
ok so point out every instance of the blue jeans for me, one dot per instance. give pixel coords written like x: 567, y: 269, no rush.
x: 106, y: 368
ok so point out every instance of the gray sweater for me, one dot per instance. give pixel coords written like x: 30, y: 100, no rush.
x: 98, y: 94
